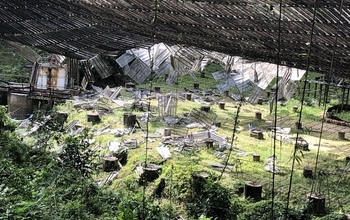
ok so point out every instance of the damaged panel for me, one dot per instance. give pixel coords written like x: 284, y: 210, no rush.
x: 139, y: 71
x: 73, y: 70
x: 101, y: 67
x: 89, y: 77
x: 297, y: 74
x: 214, y: 136
x: 243, y: 83
x: 165, y: 67
x: 226, y: 85
x: 283, y: 82
x: 263, y: 74
x: 256, y: 94
x: 184, y: 59
x: 126, y: 70
x: 200, y: 135
x: 172, y: 76
x: 219, y: 75
x: 202, y: 117
x: 34, y: 74
x: 160, y: 53
x: 154, y: 56
x: 164, y: 152
x: 167, y: 105
x: 24, y: 51
x: 125, y: 59
x: 179, y: 65
x: 142, y: 54
x: 289, y: 90
x: 84, y: 82
x: 229, y: 63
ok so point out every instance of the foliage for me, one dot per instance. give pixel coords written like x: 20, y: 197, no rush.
x: 262, y: 211
x: 334, y: 216
x: 6, y: 125
x: 55, y: 176
x: 344, y: 115
x: 214, y: 201
x: 76, y: 153
x: 12, y: 66
x: 39, y: 182
x: 35, y: 185
x: 11, y: 145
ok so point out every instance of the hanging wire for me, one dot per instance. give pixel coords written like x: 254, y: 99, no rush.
x: 153, y: 21
x: 171, y: 189
x: 302, y: 104
x: 275, y: 112
x: 234, y: 131
x: 326, y: 94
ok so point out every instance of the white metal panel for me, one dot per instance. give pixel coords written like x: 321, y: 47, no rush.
x: 61, y: 79
x: 219, y: 75
x: 125, y: 59
x: 42, y: 78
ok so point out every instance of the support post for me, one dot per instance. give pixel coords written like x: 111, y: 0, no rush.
x: 258, y: 115
x: 341, y: 135
x: 222, y: 105
x: 256, y: 157
x: 320, y: 95
x: 316, y: 84
x: 157, y: 89
x: 252, y: 190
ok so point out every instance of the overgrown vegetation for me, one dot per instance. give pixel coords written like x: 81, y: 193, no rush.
x: 53, y: 174
x: 41, y: 182
x: 12, y: 66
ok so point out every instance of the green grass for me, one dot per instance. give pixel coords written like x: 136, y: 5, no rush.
x: 344, y: 116
x: 177, y: 170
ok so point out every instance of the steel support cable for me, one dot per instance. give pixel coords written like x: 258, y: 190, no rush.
x: 326, y: 94
x: 301, y: 107
x: 234, y: 130
x: 153, y: 21
x: 275, y: 111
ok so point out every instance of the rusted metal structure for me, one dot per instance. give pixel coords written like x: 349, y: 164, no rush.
x: 84, y: 29
x: 49, y: 81
x: 294, y: 35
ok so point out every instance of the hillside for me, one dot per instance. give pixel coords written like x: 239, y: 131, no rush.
x: 84, y: 160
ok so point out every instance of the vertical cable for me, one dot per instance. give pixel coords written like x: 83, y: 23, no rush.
x: 171, y: 189
x: 301, y: 107
x: 233, y: 138
x: 326, y: 93
x: 275, y: 112
x: 153, y: 21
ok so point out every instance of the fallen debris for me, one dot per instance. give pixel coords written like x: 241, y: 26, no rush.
x: 130, y: 143
x: 270, y: 167
x: 255, y: 132
x: 222, y: 165
x: 111, y: 176
x: 113, y: 146
x: 202, y: 117
x: 206, y: 134
x: 164, y: 152
x: 104, y: 130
